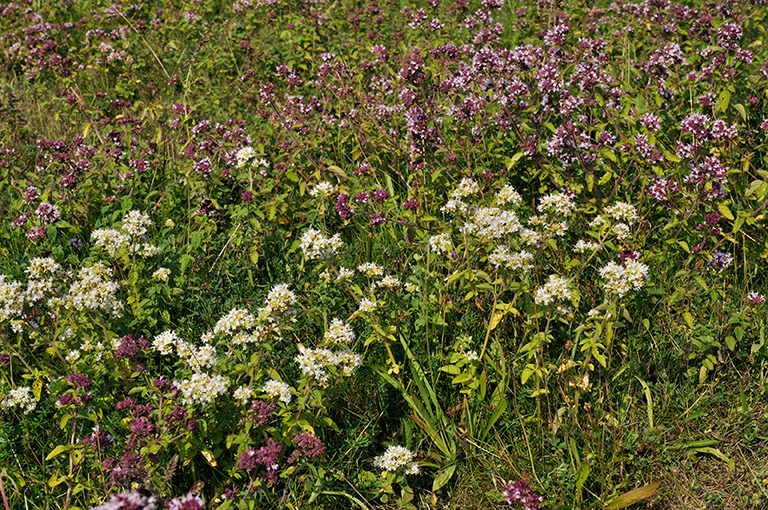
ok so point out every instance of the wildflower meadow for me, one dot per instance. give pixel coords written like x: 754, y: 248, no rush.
x: 412, y: 254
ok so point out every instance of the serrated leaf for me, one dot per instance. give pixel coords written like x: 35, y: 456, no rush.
x: 730, y: 342
x: 633, y: 496
x: 688, y: 319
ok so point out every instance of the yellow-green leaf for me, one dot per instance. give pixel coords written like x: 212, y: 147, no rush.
x: 725, y: 211
x: 58, y: 451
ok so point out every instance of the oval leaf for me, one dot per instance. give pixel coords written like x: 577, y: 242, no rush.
x: 443, y: 477
x: 633, y: 496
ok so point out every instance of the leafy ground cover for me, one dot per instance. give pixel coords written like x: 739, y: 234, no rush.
x: 313, y: 254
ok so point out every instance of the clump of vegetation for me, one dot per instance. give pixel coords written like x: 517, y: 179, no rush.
x: 293, y: 254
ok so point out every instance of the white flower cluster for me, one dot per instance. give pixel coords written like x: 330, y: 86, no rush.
x: 585, y: 246
x: 202, y: 388
x: 248, y: 155
x: 279, y: 305
x: 20, y: 397
x: 530, y: 237
x: 41, y: 267
x: 507, y: 195
x: 561, y: 203
x: 198, y: 358
x: 162, y: 274
x: 135, y: 223
x: 279, y: 389
x: 11, y: 298
x: 339, y: 333
x: 41, y: 272
x: 441, y: 243
x: 454, y: 206
x: 243, y: 394
x: 132, y: 237
x: 397, y: 457
x: 316, y: 246
x: 556, y: 288
x: 389, y: 282
x: 165, y: 342
x: 367, y: 306
x: 322, y: 189
x: 94, y: 290
x: 316, y: 362
x: 467, y: 187
x: 345, y: 274
x: 621, y: 279
x: 492, y: 223
x: 371, y: 270
x: 501, y: 257
x: 621, y: 231
x: 622, y: 211
x: 110, y: 239
x: 236, y: 321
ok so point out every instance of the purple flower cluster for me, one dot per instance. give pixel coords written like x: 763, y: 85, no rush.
x: 131, y: 348
x: 307, y: 446
x: 520, y: 494
x: 259, y: 413
x: 266, y: 456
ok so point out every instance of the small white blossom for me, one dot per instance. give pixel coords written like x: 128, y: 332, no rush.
x: 622, y: 211
x: 367, y: 306
x: 244, y: 156
x: 394, y: 458
x: 162, y: 274
x: 322, y: 189
x: 584, y: 246
x: 561, y: 203
x: 202, y: 388
x: 20, y: 397
x: 165, y: 342
x: 501, y: 257
x: 467, y: 187
x: 339, y: 333
x: 236, y: 320
x: 621, y: 279
x: 507, y: 195
x: 345, y: 274
x: 621, y: 231
x: 275, y: 388
x: 441, y: 243
x: 243, y: 394
x: 556, y: 288
x: 317, y: 246
x: 370, y: 269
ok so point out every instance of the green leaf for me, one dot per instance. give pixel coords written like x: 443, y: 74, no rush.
x: 443, y: 477
x: 717, y: 453
x: 725, y: 211
x: 58, y: 451
x: 725, y: 98
x: 742, y: 111
x: 688, y: 319
x: 633, y: 496
x: 730, y: 342
x: 510, y: 162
